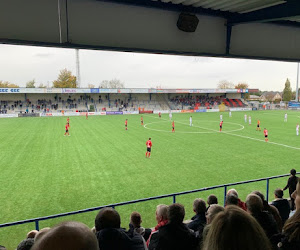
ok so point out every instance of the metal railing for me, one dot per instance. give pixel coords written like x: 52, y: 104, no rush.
x: 174, y: 195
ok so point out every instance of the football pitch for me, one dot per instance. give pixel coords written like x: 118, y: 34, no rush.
x: 44, y: 172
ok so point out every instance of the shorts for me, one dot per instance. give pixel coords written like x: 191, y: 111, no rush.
x: 173, y: 128
x: 126, y: 126
x: 220, y: 126
x: 266, y: 136
x: 258, y: 125
x: 67, y: 130
x: 148, y: 149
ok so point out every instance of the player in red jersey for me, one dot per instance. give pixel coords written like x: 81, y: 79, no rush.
x: 258, y: 125
x: 67, y: 130
x: 68, y: 121
x: 266, y: 134
x: 159, y: 115
x: 221, y: 125
x: 126, y: 123
x: 142, y: 121
x: 86, y: 115
x: 149, y: 145
x: 173, y: 126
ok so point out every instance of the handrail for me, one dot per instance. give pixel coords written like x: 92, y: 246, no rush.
x: 37, y: 220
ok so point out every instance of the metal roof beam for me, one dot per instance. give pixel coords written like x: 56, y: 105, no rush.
x: 274, y: 13
x: 169, y: 6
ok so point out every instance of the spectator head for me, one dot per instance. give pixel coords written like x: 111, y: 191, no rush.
x: 176, y: 213
x: 41, y: 233
x: 296, y: 195
x: 26, y: 244
x: 67, y: 235
x: 107, y: 218
x: 199, y: 206
x: 32, y: 233
x: 260, y: 194
x: 212, y: 199
x: 278, y: 193
x: 233, y: 191
x: 212, y: 211
x: 293, y: 172
x: 234, y: 229
x: 161, y: 213
x: 136, y: 219
x: 232, y: 199
x: 254, y: 203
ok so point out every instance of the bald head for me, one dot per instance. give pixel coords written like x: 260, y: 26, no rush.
x: 68, y: 235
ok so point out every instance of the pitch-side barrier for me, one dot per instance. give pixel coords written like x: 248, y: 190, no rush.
x: 173, y: 195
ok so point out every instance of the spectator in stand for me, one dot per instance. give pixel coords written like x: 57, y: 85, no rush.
x: 234, y: 229
x: 26, y: 244
x: 271, y: 209
x: 212, y: 211
x: 211, y: 199
x: 135, y: 226
x: 67, y: 235
x: 161, y: 216
x: 199, y: 220
x: 41, y: 233
x: 282, y: 205
x: 291, y: 184
x: 231, y: 199
x: 111, y: 237
x: 291, y: 229
x: 32, y: 233
x: 265, y: 219
x: 241, y: 204
x: 175, y: 235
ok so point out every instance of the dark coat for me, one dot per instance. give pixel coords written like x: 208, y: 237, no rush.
x: 175, y: 237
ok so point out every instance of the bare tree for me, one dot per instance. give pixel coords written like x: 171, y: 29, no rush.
x: 112, y: 84
x: 224, y: 84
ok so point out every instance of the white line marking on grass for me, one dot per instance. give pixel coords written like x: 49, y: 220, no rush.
x: 230, y: 133
x: 187, y: 124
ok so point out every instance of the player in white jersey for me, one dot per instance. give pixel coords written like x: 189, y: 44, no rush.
x: 221, y: 118
x: 249, y: 120
x: 170, y: 115
x: 229, y: 113
x: 285, y: 117
x: 297, y: 129
x: 245, y: 118
x: 191, y: 121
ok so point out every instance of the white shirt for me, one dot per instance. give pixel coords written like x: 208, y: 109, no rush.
x: 297, y: 128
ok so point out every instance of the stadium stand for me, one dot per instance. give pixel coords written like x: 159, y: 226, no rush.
x: 77, y: 102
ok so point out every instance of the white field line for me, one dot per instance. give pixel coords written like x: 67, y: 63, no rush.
x: 242, y: 136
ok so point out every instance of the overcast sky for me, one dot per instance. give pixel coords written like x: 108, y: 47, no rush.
x: 20, y: 64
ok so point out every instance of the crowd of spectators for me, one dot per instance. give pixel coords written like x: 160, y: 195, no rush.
x: 197, y: 101
x: 251, y: 225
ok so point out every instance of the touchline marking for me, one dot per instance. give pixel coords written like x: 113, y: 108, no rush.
x: 229, y: 133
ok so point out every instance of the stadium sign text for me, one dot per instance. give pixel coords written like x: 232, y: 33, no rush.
x: 9, y: 90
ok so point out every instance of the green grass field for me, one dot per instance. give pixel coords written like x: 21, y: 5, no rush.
x: 45, y: 173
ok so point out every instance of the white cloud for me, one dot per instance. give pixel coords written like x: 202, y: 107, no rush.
x: 19, y: 64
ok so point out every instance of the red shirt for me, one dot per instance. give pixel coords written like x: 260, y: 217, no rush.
x: 173, y: 124
x: 221, y: 123
x: 125, y: 122
x: 149, y: 144
x: 266, y: 132
x: 68, y: 120
x: 67, y: 126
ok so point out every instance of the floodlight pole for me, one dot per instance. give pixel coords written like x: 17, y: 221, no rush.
x: 77, y: 68
x: 297, y: 99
